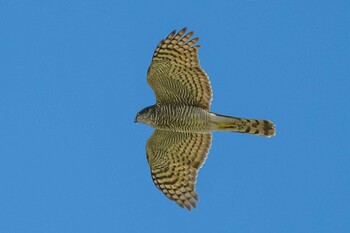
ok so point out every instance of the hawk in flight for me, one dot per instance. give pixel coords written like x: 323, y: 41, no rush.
x: 182, y: 119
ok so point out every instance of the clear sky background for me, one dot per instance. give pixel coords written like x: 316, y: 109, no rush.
x: 73, y: 77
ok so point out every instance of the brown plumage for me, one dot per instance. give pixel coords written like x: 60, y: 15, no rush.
x: 182, y: 119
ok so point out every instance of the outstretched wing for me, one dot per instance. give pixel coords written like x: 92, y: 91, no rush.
x: 175, y: 159
x: 175, y: 75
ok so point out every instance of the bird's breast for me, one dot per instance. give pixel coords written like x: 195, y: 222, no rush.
x: 182, y: 119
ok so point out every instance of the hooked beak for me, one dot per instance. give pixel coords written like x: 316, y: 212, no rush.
x: 135, y: 121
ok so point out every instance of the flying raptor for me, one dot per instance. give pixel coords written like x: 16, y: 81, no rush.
x: 182, y: 119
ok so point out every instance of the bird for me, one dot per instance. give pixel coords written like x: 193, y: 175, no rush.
x: 182, y: 118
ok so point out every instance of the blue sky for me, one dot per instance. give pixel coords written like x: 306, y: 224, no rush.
x: 73, y: 77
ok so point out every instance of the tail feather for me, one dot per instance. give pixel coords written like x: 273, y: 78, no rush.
x: 241, y: 125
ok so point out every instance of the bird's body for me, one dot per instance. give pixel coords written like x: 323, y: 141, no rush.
x: 182, y: 119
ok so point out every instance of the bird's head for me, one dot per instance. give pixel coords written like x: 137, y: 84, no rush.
x: 146, y: 115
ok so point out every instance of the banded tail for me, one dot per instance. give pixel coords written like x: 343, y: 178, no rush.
x: 241, y: 125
